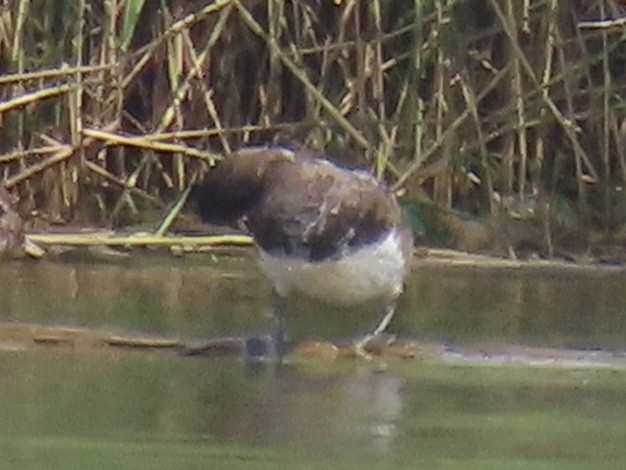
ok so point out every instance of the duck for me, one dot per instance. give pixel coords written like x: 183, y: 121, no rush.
x: 11, y: 225
x: 323, y: 231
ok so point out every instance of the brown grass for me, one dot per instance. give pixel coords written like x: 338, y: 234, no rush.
x: 109, y: 109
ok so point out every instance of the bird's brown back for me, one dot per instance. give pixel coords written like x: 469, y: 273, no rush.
x: 297, y: 204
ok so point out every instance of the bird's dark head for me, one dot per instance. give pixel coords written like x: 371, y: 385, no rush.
x: 222, y: 199
x: 235, y: 185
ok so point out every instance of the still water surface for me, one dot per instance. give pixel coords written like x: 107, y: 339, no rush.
x: 109, y: 408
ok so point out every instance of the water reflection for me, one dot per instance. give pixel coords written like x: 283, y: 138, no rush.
x: 140, y: 405
x: 550, y: 308
x: 141, y: 397
x: 199, y: 298
x: 76, y: 407
x: 156, y: 296
x: 314, y: 413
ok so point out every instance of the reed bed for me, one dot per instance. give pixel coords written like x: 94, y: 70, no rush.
x: 109, y: 110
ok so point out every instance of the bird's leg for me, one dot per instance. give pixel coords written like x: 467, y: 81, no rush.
x: 270, y: 346
x: 361, y: 344
x: 278, y: 332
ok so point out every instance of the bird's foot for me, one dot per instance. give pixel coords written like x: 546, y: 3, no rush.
x: 372, y: 345
x: 265, y: 348
x: 359, y: 349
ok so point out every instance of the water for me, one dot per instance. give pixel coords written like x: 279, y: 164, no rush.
x: 101, y: 407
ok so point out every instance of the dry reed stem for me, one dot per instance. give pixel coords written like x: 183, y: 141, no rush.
x: 17, y: 49
x: 199, y: 133
x: 180, y: 90
x: 139, y: 239
x: 199, y: 59
x: 570, y: 128
x: 98, y: 170
x: 368, y: 63
x: 36, y: 96
x: 610, y: 23
x: 58, y: 157
x: 619, y: 137
x: 472, y: 105
x: 24, y: 154
x: 48, y: 74
x: 546, y: 79
x: 256, y: 28
x: 456, y: 124
x: 146, y: 52
x: 606, y: 125
x: 518, y: 96
x: 142, y: 142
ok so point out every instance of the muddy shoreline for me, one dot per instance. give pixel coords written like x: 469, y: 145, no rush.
x: 20, y: 338
x: 109, y: 247
x: 116, y: 245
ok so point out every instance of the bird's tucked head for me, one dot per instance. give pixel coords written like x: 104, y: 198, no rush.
x: 235, y: 185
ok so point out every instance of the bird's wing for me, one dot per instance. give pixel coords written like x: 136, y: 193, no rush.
x: 317, y: 210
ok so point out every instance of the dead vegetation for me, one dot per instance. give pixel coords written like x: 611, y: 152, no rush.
x: 109, y: 109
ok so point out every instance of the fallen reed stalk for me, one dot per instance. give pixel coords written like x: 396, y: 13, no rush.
x: 136, y: 240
